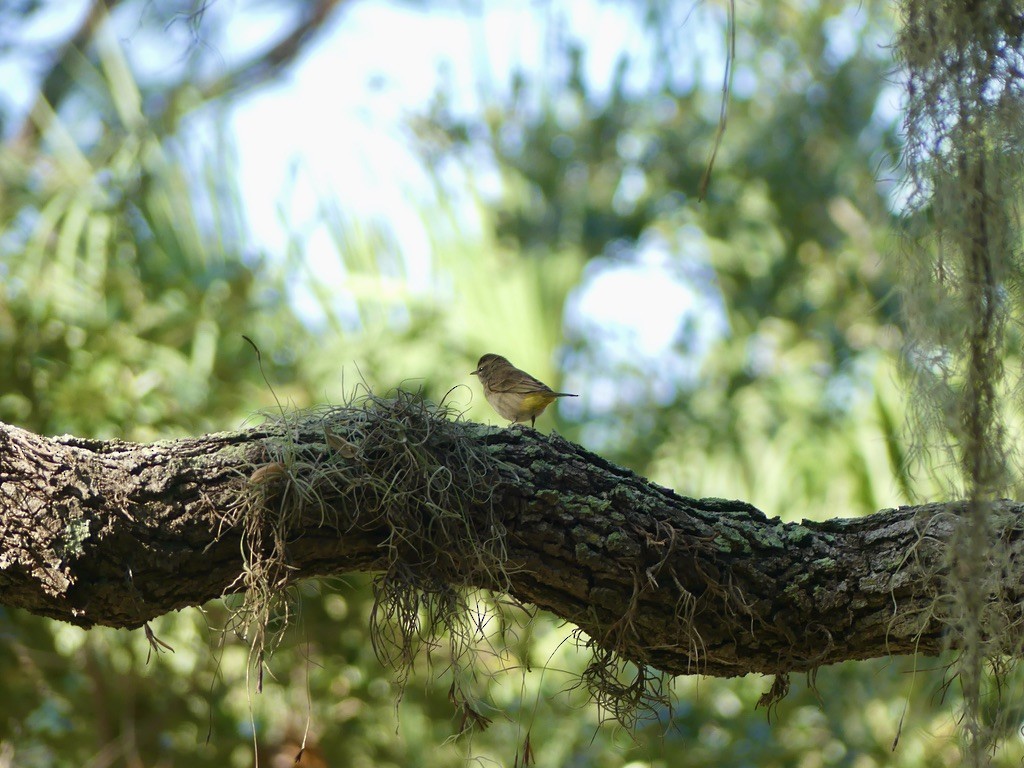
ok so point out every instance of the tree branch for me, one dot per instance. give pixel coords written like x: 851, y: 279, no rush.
x: 268, y: 63
x: 257, y: 69
x: 116, y: 533
x: 59, y: 78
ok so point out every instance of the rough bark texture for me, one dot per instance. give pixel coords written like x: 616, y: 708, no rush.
x: 114, y: 533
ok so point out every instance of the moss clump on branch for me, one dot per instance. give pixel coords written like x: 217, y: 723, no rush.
x: 413, y: 490
x: 397, y: 465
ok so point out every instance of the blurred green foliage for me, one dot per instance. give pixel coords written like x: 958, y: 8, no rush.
x: 128, y: 280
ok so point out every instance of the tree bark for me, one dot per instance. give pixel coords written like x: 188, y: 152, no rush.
x: 116, y: 533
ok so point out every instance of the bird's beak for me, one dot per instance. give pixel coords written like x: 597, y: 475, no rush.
x: 475, y: 373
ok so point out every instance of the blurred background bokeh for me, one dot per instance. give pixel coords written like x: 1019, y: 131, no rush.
x: 379, y: 192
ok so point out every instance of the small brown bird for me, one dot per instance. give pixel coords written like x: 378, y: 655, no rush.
x: 513, y: 393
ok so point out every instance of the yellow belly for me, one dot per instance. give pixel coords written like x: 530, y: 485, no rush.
x: 517, y: 407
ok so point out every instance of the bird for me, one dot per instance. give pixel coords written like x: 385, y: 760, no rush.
x: 514, y: 394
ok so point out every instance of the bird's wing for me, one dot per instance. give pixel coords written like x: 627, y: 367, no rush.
x: 519, y: 383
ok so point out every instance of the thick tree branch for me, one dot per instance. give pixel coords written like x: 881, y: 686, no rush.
x: 115, y: 533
